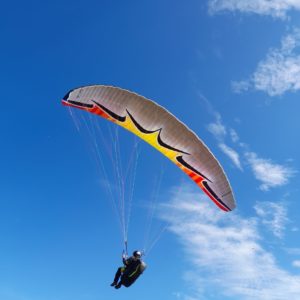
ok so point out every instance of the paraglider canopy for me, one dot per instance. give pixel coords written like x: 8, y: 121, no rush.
x: 158, y: 127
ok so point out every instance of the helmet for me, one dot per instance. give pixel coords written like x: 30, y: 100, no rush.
x: 137, y: 254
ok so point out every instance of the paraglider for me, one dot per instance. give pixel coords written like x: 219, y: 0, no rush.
x: 129, y: 273
x: 158, y: 127
x: 162, y: 130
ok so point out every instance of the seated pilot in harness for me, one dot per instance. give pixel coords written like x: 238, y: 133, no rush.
x: 132, y: 269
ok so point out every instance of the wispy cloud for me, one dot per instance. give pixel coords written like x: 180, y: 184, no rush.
x: 274, y: 8
x: 234, y: 136
x: 279, y: 72
x: 293, y: 251
x: 232, y: 154
x: 273, y: 216
x: 296, y: 263
x: 226, y: 253
x: 241, y: 86
x: 217, y: 129
x: 268, y: 173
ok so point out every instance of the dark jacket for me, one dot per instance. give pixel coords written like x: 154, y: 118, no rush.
x: 131, y: 265
x: 133, y: 269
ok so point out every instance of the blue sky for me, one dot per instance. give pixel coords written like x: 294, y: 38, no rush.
x: 228, y: 69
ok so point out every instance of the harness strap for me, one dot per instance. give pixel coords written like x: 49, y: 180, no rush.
x: 134, y: 271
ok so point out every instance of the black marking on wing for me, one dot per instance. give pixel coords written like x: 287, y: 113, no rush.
x: 159, y: 140
x: 139, y: 127
x: 80, y: 104
x: 67, y: 95
x: 123, y: 119
x: 184, y: 163
x: 162, y: 143
x: 214, y: 194
x: 111, y: 113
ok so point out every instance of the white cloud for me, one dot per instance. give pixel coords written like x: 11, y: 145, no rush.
x: 264, y: 170
x: 234, y: 136
x: 241, y: 86
x: 273, y: 216
x: 274, y: 8
x: 219, y: 131
x: 279, y: 72
x: 232, y: 154
x: 296, y: 263
x: 226, y: 253
x: 217, y: 128
x: 293, y: 251
x: 270, y: 174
